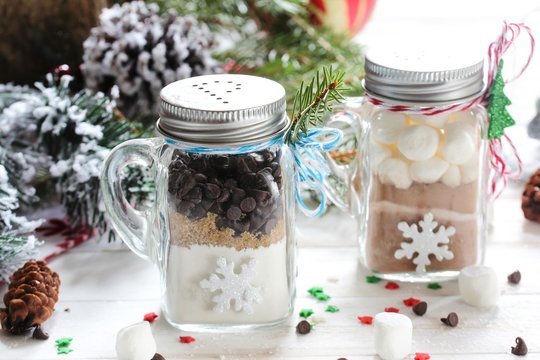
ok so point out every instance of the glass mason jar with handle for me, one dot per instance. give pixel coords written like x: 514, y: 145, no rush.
x: 221, y: 230
x: 418, y: 185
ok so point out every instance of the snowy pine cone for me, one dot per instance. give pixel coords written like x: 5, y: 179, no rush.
x: 141, y: 51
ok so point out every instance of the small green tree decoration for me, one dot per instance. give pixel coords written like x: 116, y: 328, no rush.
x: 499, y: 117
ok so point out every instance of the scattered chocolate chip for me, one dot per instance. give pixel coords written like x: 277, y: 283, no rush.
x: 67, y: 309
x: 39, y: 334
x: 342, y: 359
x: 303, y: 327
x: 420, y: 308
x: 451, y: 320
x: 521, y: 348
x: 158, y: 356
x: 514, y: 278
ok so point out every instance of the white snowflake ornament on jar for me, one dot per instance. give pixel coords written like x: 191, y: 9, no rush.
x: 425, y: 242
x: 234, y: 287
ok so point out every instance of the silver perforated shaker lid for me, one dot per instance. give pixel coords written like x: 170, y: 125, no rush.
x: 222, y: 110
x: 427, y: 76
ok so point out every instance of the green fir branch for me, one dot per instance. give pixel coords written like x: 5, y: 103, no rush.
x: 314, y: 100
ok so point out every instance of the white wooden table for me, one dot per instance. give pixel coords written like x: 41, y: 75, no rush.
x: 107, y: 287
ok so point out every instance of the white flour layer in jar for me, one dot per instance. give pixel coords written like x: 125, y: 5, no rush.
x: 186, y: 302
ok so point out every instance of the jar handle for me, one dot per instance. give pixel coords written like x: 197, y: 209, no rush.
x: 341, y: 192
x: 133, y: 226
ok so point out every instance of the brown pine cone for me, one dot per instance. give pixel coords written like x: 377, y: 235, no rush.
x: 30, y: 299
x: 530, y: 200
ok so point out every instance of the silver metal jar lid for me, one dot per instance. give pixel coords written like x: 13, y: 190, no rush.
x: 423, y: 77
x: 222, y: 110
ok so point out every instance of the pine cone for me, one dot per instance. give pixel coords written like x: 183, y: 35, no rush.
x: 141, y: 51
x: 530, y: 201
x: 30, y: 299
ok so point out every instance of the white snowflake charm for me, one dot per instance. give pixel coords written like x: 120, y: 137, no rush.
x: 233, y: 286
x: 425, y: 242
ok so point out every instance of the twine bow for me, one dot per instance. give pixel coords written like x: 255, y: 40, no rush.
x: 310, y: 165
x: 500, y: 170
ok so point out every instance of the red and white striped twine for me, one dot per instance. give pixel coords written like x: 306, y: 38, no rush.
x: 500, y: 170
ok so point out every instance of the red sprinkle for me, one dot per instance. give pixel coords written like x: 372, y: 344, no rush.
x: 150, y: 317
x: 410, y: 302
x: 391, y: 285
x: 391, y: 309
x: 186, y: 339
x: 366, y: 320
x: 422, y: 356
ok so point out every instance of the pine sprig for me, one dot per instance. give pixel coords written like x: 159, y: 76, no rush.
x: 276, y: 39
x: 315, y: 99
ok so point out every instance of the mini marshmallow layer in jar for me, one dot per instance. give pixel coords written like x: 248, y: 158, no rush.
x: 424, y: 185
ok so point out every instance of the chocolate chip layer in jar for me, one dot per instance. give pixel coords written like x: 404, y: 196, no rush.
x: 426, y: 194
x: 229, y: 255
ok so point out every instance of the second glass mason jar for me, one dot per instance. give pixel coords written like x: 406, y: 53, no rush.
x: 418, y: 185
x: 222, y: 228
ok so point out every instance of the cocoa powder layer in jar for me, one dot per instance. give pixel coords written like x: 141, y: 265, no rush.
x: 239, y: 195
x: 450, y: 207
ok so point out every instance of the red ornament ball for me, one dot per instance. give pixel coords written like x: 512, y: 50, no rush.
x: 342, y: 16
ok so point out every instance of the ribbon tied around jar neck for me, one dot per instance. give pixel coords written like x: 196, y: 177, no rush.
x: 310, y: 165
x: 494, y: 100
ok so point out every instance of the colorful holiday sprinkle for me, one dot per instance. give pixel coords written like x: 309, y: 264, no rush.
x: 315, y: 290
x: 305, y: 313
x: 391, y: 309
x: 63, y: 350
x: 150, y: 317
x: 62, y: 346
x: 332, y: 309
x: 410, y: 302
x: 186, y: 339
x: 319, y: 294
x: 434, y: 286
x: 422, y: 356
x: 372, y: 279
x: 366, y: 320
x: 322, y: 297
x: 391, y: 285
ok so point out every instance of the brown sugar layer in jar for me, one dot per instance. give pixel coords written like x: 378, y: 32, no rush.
x: 186, y: 232
x: 454, y: 207
x: 243, y: 192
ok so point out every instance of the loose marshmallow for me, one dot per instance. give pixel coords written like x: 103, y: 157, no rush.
x: 479, y: 286
x: 378, y: 153
x: 135, y: 342
x: 437, y: 121
x: 393, y: 335
x: 418, y: 142
x: 395, y: 172
x: 469, y: 170
x: 459, y: 145
x: 428, y: 171
x: 386, y: 126
x: 452, y: 176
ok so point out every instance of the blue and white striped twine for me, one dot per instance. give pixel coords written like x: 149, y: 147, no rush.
x: 309, y: 163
